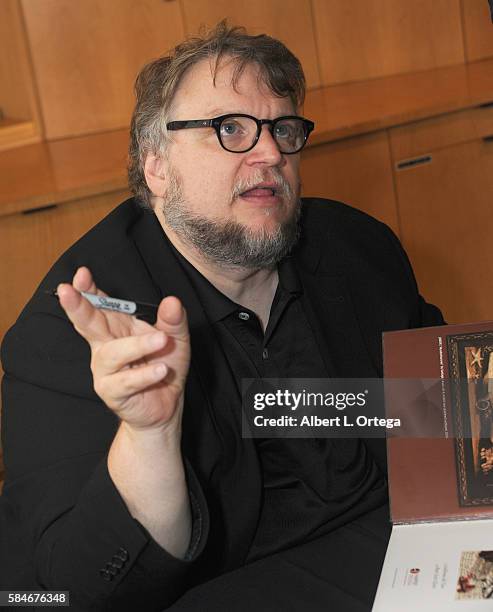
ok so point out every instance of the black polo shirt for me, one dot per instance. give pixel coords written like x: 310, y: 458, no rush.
x: 307, y: 483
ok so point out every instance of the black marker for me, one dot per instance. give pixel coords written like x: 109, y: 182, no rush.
x: 141, y: 310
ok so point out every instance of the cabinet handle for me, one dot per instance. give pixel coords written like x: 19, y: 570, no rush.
x: 416, y: 161
x: 486, y: 105
x: 488, y: 138
x: 32, y: 211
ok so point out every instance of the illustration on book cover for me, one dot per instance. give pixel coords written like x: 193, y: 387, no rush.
x: 471, y: 374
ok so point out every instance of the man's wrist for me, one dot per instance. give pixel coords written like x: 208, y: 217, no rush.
x: 168, y: 432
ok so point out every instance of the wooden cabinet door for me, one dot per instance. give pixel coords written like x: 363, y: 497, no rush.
x: 30, y: 244
x: 373, y: 38
x: 87, y: 53
x: 356, y: 171
x: 446, y: 219
x: 288, y: 20
x: 19, y: 117
x: 478, y: 30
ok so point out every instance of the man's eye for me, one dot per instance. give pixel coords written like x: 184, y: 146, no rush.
x: 230, y: 128
x: 284, y: 131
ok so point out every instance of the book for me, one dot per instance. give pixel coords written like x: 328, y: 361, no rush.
x: 439, y: 380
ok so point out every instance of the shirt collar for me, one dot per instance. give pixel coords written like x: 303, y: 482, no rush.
x: 217, y: 305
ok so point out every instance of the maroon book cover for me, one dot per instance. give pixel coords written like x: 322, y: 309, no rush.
x: 439, y: 382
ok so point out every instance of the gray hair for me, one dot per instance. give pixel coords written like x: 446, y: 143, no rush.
x: 157, y: 82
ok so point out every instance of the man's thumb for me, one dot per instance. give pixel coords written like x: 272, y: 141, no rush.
x: 172, y: 318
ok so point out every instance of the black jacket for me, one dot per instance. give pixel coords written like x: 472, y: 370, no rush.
x: 61, y: 518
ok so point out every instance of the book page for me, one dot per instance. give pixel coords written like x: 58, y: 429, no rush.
x: 438, y: 567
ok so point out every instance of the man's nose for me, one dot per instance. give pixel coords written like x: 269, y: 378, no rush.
x: 266, y: 150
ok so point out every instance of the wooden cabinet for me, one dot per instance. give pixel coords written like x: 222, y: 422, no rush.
x: 86, y: 56
x: 373, y: 38
x: 288, y: 20
x: 444, y: 183
x: 67, y: 67
x: 478, y: 30
x: 357, y: 171
x: 31, y: 241
x: 19, y: 117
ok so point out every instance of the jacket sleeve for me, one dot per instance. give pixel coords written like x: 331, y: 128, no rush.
x: 76, y: 531
x: 423, y: 313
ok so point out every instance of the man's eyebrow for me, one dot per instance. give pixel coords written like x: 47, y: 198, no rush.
x: 217, y: 112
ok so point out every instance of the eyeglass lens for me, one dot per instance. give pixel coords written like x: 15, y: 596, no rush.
x: 239, y: 133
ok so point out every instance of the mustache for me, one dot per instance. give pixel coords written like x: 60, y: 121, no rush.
x: 283, y: 188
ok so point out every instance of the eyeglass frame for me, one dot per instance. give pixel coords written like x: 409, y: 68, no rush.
x: 216, y: 122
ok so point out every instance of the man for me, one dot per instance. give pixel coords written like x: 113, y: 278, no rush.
x: 128, y: 483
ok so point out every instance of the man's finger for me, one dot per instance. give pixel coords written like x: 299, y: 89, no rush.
x: 118, y: 387
x: 121, y: 352
x: 89, y: 322
x: 83, y: 281
x: 172, y: 318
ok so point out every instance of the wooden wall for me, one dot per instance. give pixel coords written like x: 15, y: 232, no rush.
x: 478, y: 37
x: 85, y: 54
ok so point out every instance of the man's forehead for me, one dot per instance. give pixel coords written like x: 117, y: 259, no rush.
x: 216, y: 91
x: 220, y: 73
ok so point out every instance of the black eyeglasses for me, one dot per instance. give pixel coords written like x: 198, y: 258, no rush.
x: 239, y: 133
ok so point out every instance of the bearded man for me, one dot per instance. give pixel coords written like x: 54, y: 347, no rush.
x: 128, y: 482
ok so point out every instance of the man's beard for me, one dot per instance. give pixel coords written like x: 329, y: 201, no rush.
x: 230, y: 244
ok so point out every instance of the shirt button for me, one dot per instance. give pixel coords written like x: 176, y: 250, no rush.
x: 265, y: 354
x: 244, y: 316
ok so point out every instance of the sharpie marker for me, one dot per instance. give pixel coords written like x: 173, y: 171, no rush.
x: 141, y: 310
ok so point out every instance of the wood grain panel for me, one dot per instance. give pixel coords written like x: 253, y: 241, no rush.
x: 453, y: 128
x: 354, y: 108
x: 372, y: 38
x: 19, y: 115
x: 62, y: 170
x: 15, y: 100
x: 356, y: 171
x: 99, y: 159
x: 288, y: 20
x: 87, y: 54
x: 15, y: 133
x: 478, y: 30
x: 446, y: 227
x: 30, y: 244
x: 480, y: 80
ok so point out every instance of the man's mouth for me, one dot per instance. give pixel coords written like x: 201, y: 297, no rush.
x: 260, y: 191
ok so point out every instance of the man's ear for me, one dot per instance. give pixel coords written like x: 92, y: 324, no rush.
x: 155, y: 173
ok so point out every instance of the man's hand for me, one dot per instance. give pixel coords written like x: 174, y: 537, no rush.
x: 139, y: 370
